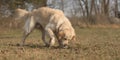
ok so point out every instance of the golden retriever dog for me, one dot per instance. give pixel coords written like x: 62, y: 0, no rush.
x: 51, y: 22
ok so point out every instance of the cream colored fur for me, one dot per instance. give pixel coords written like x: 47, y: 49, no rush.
x: 51, y: 22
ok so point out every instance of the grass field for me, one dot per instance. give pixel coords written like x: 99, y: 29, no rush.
x: 91, y: 44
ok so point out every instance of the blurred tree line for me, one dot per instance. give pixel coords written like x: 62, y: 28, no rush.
x: 100, y: 11
x: 21, y: 3
x: 91, y: 11
x: 87, y: 7
x: 99, y: 7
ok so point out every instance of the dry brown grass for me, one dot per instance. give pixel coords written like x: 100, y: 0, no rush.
x: 91, y: 44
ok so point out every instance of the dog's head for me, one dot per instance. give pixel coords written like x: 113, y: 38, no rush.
x: 64, y: 36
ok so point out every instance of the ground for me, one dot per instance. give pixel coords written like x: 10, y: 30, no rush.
x: 90, y: 44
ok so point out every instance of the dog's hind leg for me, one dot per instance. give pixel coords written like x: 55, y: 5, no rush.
x: 28, y: 28
x: 25, y: 35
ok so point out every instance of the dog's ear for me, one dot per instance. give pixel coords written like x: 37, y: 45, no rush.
x: 73, y: 38
x: 60, y: 34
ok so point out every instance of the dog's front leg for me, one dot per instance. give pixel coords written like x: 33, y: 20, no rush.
x: 51, y: 35
x: 43, y: 38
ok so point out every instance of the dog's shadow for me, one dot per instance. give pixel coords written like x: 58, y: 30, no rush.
x: 34, y: 46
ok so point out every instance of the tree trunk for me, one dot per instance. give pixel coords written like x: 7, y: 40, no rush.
x: 83, y: 12
x: 62, y: 5
x: 116, y: 8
